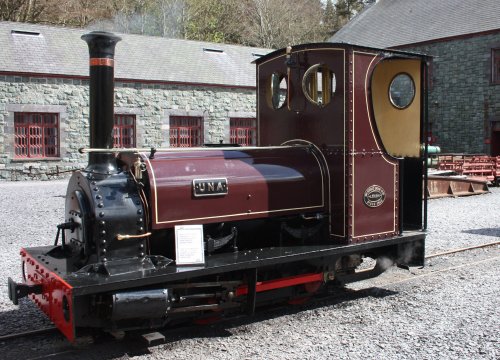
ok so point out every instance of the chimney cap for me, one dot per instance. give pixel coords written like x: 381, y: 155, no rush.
x: 101, y: 43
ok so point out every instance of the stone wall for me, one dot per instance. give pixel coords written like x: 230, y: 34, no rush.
x: 151, y: 103
x: 462, y: 101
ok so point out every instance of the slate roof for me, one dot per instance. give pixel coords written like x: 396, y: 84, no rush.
x: 40, y: 49
x: 392, y: 23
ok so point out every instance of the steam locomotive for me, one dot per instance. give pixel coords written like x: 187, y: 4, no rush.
x: 157, y: 236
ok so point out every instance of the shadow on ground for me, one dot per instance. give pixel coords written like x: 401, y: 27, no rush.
x: 495, y: 232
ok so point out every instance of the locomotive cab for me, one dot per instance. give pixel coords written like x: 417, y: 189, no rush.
x: 362, y: 109
x: 336, y: 178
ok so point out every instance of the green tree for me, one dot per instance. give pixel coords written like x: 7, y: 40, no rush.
x: 212, y: 20
x: 23, y: 10
x: 346, y: 9
x: 263, y: 23
x: 279, y: 23
x: 78, y: 13
x: 170, y: 17
x: 329, y: 19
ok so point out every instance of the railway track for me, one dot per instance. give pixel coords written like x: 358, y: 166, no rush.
x: 47, y: 330
x: 53, y: 330
x: 462, y: 250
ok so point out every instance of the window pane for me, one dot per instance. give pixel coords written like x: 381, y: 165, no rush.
x: 185, y: 131
x: 495, y: 66
x: 36, y: 135
x: 402, y: 91
x: 277, y: 91
x: 124, y: 131
x: 243, y: 131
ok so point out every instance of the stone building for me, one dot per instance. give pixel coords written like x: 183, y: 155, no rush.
x: 463, y: 36
x: 168, y: 92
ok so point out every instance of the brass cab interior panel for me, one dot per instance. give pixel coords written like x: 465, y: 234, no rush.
x: 398, y: 124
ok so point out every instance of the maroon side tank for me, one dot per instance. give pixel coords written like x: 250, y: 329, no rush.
x: 201, y: 186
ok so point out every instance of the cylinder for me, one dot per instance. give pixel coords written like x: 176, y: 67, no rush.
x: 140, y: 304
x: 101, y: 99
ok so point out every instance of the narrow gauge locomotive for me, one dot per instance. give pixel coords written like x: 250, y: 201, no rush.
x: 157, y: 236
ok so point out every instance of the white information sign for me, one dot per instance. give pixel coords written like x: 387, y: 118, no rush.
x: 189, y: 245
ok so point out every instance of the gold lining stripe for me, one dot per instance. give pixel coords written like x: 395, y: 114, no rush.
x: 240, y: 214
x: 154, y: 184
x: 366, y: 99
x: 322, y: 182
x: 345, y: 173
x: 352, y: 199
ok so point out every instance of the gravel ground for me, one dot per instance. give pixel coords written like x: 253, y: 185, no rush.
x: 430, y: 313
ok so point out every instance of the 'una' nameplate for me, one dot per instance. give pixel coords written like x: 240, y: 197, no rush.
x: 209, y: 187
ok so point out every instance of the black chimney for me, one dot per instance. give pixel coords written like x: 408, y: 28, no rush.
x: 101, y: 99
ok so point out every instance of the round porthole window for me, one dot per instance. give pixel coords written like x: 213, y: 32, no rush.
x: 402, y: 91
x: 318, y: 85
x: 277, y: 91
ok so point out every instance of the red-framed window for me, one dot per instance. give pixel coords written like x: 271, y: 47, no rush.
x: 124, y: 131
x: 36, y: 135
x: 243, y: 131
x: 495, y: 66
x: 185, y: 131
